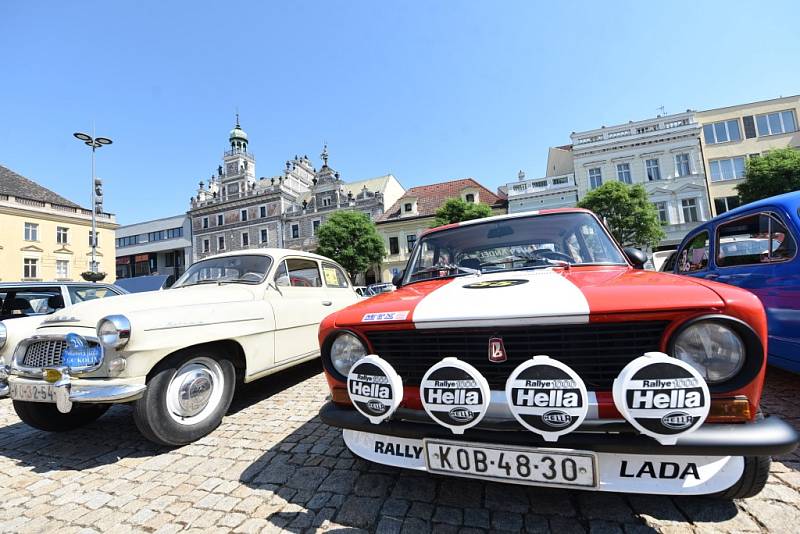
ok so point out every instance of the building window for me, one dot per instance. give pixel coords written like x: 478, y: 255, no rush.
x: 470, y: 198
x: 682, y: 165
x: 264, y: 235
x: 724, y: 204
x: 243, y: 214
x: 408, y: 207
x: 315, y: 226
x: 326, y: 201
x: 775, y: 123
x: 205, y: 222
x: 661, y: 208
x: 394, y: 245
x: 31, y: 232
x: 749, y: 126
x: 221, y: 242
x: 206, y: 245
x: 689, y: 206
x: 653, y: 170
x: 30, y: 268
x: 173, y: 233
x: 245, y: 239
x: 96, y: 239
x: 62, y: 235
x: 262, y: 211
x: 727, y: 169
x: 220, y: 220
x: 411, y: 240
x: 62, y: 268
x: 595, y: 178
x: 624, y: 173
x: 722, y: 132
x: 295, y: 231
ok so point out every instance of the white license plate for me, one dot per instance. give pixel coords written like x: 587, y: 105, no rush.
x: 32, y: 392
x: 511, y: 464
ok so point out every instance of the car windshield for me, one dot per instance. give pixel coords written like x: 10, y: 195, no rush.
x: 512, y: 244
x: 226, y: 269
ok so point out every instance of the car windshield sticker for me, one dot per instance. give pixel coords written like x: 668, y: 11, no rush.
x: 455, y: 394
x: 375, y: 388
x: 385, y: 316
x: 662, y: 397
x: 489, y: 284
x: 547, y: 397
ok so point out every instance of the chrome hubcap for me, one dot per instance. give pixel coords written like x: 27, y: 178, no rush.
x: 195, y: 391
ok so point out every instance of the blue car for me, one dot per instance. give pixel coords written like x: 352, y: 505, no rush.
x: 755, y: 247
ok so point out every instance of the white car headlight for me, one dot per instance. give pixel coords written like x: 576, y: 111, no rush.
x: 3, y: 334
x: 114, y: 331
x: 346, y: 350
x: 713, y: 348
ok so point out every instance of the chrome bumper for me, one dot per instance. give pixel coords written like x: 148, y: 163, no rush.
x: 68, y: 390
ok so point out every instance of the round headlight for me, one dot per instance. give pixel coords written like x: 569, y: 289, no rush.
x: 346, y: 350
x: 114, y: 331
x: 714, y: 349
x: 3, y: 334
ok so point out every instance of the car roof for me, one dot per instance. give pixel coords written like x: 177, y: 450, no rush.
x: 274, y: 252
x: 34, y: 285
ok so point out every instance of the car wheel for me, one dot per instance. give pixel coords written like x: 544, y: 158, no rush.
x: 752, y: 481
x: 185, y: 399
x: 44, y: 416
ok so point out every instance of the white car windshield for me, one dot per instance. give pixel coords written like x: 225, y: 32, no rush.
x: 227, y: 269
x: 512, y: 244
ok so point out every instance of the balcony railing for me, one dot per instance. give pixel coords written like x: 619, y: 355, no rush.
x: 240, y: 152
x: 640, y: 129
x: 540, y: 185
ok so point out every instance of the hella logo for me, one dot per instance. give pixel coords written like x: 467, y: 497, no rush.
x: 376, y: 406
x: 462, y: 415
x: 557, y: 418
x: 677, y: 420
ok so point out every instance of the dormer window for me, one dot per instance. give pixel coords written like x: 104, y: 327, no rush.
x: 470, y: 198
x: 326, y: 201
x: 408, y: 207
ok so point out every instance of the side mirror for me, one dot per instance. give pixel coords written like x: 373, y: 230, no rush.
x: 636, y: 257
x: 397, y: 280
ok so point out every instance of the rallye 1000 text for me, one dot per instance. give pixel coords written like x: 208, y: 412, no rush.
x: 532, y: 349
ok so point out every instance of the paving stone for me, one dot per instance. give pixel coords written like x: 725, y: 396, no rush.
x: 373, y: 485
x: 477, y: 517
x: 339, y: 481
x: 389, y: 525
x: 359, y: 511
x: 597, y: 526
x: 395, y: 507
x: 508, y: 521
x: 448, y: 515
x: 415, y: 488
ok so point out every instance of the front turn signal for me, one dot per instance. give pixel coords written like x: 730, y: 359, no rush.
x: 729, y: 410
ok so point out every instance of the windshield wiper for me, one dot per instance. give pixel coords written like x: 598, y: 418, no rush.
x: 447, y: 267
x: 199, y: 282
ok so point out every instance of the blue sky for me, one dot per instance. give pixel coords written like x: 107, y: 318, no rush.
x: 428, y: 91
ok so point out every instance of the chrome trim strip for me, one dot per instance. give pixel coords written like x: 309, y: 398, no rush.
x: 170, y: 327
x: 112, y: 393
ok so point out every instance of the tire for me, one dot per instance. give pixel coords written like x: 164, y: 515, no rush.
x: 166, y: 414
x: 752, y: 481
x: 44, y: 416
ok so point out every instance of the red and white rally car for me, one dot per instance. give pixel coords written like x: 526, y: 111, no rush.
x: 532, y: 349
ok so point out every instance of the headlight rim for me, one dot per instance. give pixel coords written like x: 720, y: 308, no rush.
x: 754, y: 350
x: 327, y: 360
x: 123, y: 326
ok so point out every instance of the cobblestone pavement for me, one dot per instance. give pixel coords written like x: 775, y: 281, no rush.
x: 272, y: 465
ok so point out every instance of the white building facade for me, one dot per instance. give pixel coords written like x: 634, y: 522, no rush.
x: 663, y: 154
x: 556, y: 189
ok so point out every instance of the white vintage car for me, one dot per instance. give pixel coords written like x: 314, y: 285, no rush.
x: 177, y: 354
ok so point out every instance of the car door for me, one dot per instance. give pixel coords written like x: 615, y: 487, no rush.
x: 300, y: 302
x: 693, y: 256
x: 758, y: 252
x: 338, y: 287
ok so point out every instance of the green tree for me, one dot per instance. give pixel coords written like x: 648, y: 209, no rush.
x: 456, y: 210
x: 351, y: 239
x: 772, y: 174
x: 627, y: 211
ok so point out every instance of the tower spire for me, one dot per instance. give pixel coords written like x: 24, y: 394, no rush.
x: 324, y: 155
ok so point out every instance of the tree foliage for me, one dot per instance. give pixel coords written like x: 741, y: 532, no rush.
x: 456, y: 210
x: 627, y: 211
x: 351, y: 239
x: 772, y: 174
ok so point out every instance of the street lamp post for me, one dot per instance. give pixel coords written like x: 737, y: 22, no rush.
x: 94, y: 143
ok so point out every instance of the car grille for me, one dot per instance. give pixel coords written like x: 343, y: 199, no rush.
x: 596, y: 351
x: 45, y: 353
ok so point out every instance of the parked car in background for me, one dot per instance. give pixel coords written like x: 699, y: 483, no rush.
x: 532, y: 349
x: 140, y: 284
x: 755, y: 247
x: 177, y: 354
x: 24, y: 305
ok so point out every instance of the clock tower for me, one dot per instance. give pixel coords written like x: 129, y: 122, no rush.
x: 239, y: 165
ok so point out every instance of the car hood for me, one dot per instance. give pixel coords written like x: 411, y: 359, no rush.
x: 151, y: 303
x: 546, y: 296
x: 18, y: 329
